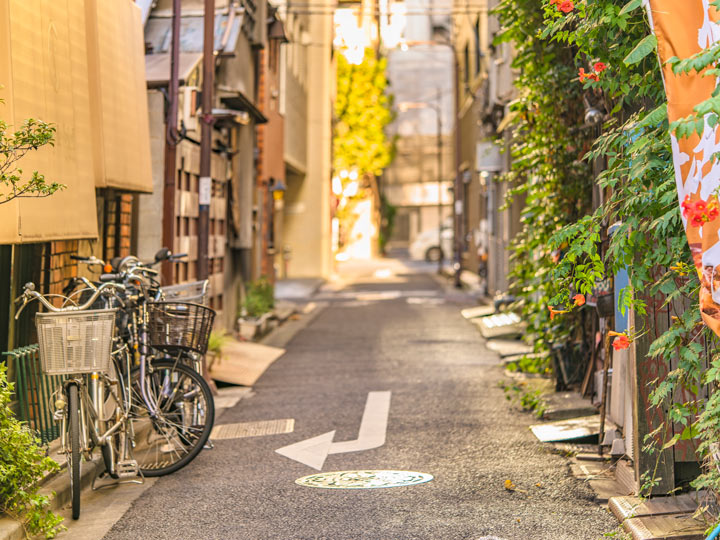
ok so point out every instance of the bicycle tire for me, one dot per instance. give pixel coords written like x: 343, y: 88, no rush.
x: 171, y: 428
x: 74, y: 462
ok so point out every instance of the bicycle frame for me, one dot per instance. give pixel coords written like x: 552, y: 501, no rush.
x: 90, y: 419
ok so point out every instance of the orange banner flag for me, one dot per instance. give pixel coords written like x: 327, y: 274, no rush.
x: 684, y: 28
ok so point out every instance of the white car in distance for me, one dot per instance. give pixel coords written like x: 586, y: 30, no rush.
x: 425, y: 246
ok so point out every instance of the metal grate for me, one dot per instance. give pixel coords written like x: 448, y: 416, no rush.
x: 253, y: 429
x: 76, y: 341
x: 34, y: 390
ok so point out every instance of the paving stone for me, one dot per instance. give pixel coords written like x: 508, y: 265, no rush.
x: 674, y: 527
x: 477, y: 311
x: 563, y: 405
x: 501, y: 325
x: 606, y: 488
x: 509, y: 347
x: 630, y: 507
x: 567, y: 430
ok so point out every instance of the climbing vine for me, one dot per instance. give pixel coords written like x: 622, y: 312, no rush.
x: 592, y: 157
x: 361, y: 148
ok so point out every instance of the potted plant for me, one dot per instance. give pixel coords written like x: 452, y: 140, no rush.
x: 218, y: 339
x: 256, y: 309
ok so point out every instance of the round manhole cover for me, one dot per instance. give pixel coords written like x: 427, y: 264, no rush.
x: 364, y: 479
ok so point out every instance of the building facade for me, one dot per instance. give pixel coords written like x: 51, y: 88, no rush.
x: 486, y: 225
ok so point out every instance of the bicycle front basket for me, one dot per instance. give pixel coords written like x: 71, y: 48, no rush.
x: 75, y: 341
x: 175, y: 326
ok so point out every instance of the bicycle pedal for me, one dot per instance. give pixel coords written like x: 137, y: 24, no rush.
x: 127, y: 468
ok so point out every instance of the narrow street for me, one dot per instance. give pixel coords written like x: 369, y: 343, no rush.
x: 389, y: 329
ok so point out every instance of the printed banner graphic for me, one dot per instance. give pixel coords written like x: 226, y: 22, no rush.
x: 684, y: 28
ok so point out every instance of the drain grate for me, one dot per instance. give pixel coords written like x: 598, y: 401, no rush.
x: 252, y: 429
x: 364, y: 479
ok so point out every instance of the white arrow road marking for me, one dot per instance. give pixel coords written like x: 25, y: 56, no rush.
x: 373, y: 427
x: 311, y: 452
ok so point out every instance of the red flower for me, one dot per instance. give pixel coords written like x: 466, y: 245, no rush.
x: 566, y: 6
x: 687, y: 206
x: 697, y: 220
x: 579, y: 299
x: 593, y: 77
x: 699, y: 212
x: 600, y: 67
x: 621, y: 342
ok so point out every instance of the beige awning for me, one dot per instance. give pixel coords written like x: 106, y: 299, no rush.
x: 80, y: 65
x: 116, y: 61
x: 43, y: 70
x: 157, y: 68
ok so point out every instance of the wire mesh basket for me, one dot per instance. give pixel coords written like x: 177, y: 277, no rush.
x: 176, y: 326
x: 195, y: 291
x: 75, y: 341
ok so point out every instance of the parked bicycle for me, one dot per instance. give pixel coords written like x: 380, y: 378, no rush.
x: 167, y: 340
x: 130, y: 388
x: 90, y: 405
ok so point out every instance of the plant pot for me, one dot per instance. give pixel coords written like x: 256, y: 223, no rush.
x: 249, y: 328
x: 253, y: 327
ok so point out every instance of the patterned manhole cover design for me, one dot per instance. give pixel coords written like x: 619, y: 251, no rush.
x: 364, y: 479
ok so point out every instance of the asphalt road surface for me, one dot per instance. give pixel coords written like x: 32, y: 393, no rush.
x: 388, y: 329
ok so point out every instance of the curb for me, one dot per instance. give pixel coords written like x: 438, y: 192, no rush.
x: 11, y: 529
x: 285, y: 332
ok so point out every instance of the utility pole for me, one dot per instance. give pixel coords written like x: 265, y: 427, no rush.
x: 171, y: 141
x: 438, y: 114
x: 459, y: 191
x: 205, y: 191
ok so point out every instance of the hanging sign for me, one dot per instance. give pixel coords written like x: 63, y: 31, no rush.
x: 684, y: 28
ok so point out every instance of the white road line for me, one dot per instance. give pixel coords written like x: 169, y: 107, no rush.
x: 373, y: 426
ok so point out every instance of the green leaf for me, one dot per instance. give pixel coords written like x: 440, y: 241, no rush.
x: 641, y: 50
x: 630, y: 6
x: 672, y: 442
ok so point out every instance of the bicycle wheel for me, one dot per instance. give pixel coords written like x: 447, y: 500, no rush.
x: 181, y: 426
x: 74, y: 456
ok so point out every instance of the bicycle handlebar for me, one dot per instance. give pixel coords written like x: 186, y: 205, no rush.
x: 92, y: 260
x: 29, y: 294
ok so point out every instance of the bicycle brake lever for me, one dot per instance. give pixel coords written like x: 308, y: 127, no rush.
x: 19, y: 311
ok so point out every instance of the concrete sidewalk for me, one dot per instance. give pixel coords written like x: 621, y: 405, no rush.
x: 297, y: 289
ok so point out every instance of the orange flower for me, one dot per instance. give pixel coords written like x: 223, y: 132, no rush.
x: 579, y: 299
x: 621, y: 342
x: 554, y: 312
x: 582, y: 75
x: 566, y: 6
